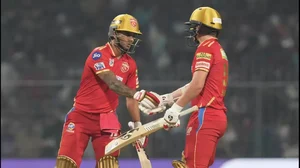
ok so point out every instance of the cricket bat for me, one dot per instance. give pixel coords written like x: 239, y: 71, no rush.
x: 133, y: 135
x: 144, y: 160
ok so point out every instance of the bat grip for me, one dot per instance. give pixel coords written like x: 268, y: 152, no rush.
x: 189, y: 110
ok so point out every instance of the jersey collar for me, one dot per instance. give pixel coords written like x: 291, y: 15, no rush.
x: 110, y: 48
x: 210, y: 39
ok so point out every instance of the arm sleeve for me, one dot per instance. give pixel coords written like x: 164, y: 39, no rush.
x: 133, y: 80
x: 97, y: 62
x: 202, y: 61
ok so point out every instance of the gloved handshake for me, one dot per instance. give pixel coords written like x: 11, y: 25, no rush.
x: 161, y: 102
x: 151, y: 103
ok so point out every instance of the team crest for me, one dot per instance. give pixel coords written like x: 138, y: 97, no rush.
x: 71, y: 127
x: 124, y: 67
x: 133, y: 22
x: 111, y: 62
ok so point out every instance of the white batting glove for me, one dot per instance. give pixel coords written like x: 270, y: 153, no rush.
x: 165, y: 100
x: 141, y: 141
x: 172, y: 116
x: 149, y: 100
x: 167, y: 126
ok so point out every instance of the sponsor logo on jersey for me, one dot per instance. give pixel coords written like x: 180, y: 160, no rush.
x: 124, y: 67
x: 203, y: 55
x: 202, y: 64
x: 71, y: 127
x: 99, y: 66
x: 96, y: 55
x: 224, y: 56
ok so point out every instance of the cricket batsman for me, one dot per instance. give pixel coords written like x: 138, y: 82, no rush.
x: 207, y: 90
x: 108, y: 72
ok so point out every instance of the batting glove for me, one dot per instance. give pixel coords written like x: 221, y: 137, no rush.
x: 165, y: 100
x: 168, y: 126
x: 149, y: 100
x: 142, y: 141
x: 172, y: 116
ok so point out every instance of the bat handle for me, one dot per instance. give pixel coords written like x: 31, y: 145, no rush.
x: 189, y: 110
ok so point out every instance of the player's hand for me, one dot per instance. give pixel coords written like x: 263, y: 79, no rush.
x: 165, y: 100
x: 172, y: 116
x: 142, y: 141
x: 168, y: 126
x: 153, y: 111
x: 149, y: 100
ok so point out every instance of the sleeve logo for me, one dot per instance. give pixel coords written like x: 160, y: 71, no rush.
x: 96, y: 55
x: 203, y: 55
x: 224, y: 56
x: 202, y: 64
x: 99, y: 66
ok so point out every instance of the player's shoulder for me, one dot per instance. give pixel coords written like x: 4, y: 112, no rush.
x: 129, y: 58
x: 209, y: 45
x: 99, y: 52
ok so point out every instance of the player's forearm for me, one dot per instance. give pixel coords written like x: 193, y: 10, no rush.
x: 132, y: 106
x: 115, y: 85
x: 121, y: 89
x: 189, y: 94
x: 177, y: 93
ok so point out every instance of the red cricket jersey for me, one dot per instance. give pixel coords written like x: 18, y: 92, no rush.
x: 211, y: 57
x: 93, y: 94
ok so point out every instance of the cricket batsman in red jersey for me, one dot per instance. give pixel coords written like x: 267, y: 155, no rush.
x: 108, y: 72
x: 207, y: 90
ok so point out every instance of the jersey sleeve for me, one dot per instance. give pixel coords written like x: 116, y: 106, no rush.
x: 97, y: 62
x: 133, y: 80
x: 202, y: 60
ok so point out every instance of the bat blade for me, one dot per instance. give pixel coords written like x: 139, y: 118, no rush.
x: 144, y: 160
x: 133, y: 135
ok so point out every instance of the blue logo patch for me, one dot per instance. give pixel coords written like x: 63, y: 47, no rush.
x: 71, y: 127
x: 96, y: 55
x: 99, y: 65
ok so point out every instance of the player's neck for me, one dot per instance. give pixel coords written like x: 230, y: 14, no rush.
x: 117, y: 52
x: 205, y: 37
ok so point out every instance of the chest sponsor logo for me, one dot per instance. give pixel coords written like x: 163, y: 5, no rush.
x: 99, y: 66
x: 124, y: 67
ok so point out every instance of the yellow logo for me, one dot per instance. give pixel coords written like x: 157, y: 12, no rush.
x: 224, y: 56
x: 203, y: 55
